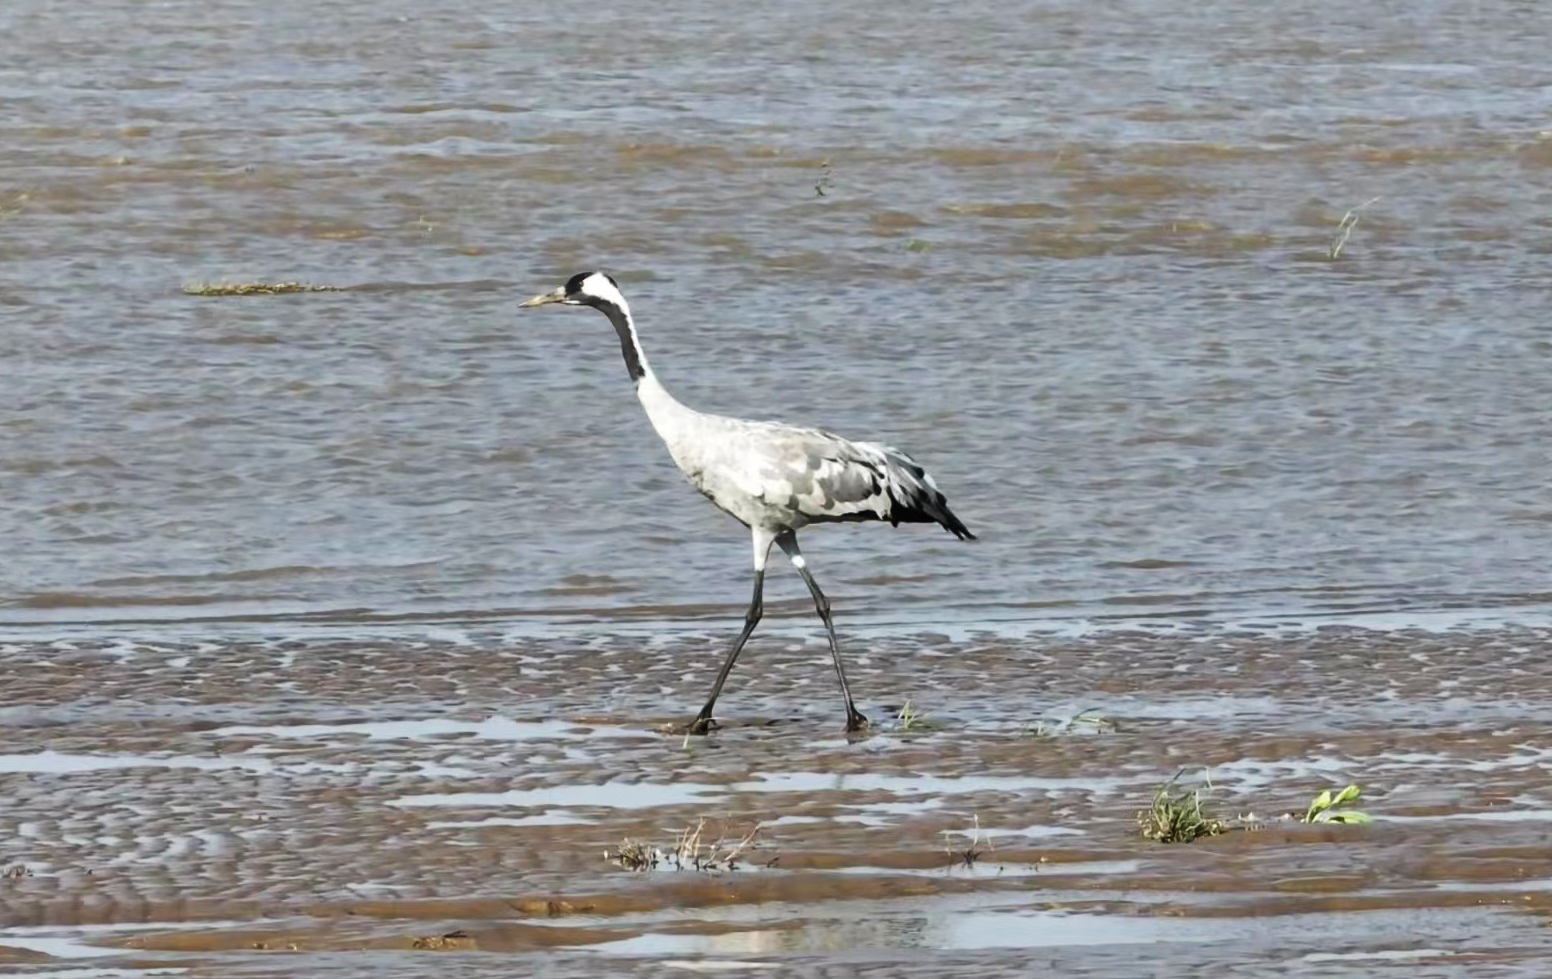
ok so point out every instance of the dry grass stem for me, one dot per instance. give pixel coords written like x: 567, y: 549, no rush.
x: 978, y: 845
x: 1344, y: 228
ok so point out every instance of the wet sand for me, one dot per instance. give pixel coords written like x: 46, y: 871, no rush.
x: 337, y: 807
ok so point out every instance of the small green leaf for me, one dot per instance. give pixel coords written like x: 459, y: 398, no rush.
x: 1349, y: 817
x: 1346, y: 795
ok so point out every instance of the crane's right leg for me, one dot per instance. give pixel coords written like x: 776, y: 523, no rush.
x: 762, y: 548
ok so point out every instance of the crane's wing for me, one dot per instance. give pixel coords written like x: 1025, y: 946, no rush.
x: 828, y: 478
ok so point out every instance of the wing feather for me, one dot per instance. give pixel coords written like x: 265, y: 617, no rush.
x: 825, y: 477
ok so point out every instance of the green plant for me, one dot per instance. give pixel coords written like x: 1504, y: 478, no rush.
x: 1178, y: 817
x: 1081, y: 722
x: 912, y: 718
x: 1327, y: 808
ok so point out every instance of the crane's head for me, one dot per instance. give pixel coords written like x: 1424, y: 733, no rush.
x: 582, y: 289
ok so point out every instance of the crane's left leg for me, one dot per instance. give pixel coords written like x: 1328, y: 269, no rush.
x: 788, y: 542
x: 761, y: 539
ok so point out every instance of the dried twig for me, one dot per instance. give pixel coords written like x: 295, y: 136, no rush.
x: 972, y: 852
x: 1344, y: 228
x: 824, y: 178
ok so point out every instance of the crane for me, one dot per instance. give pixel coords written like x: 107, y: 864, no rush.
x: 772, y: 477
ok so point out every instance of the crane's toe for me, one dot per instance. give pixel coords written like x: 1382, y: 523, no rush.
x: 855, y: 721
x: 701, y: 725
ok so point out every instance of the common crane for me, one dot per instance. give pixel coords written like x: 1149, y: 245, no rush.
x: 774, y: 478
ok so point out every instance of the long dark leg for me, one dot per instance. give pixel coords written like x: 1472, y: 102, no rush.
x: 788, y: 542
x: 703, y: 722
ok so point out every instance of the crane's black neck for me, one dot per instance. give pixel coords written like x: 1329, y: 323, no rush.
x: 630, y: 347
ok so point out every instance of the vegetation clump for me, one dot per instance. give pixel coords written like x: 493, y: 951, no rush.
x: 1328, y: 808
x: 1177, y: 816
x: 634, y: 854
x: 691, y: 851
x: 913, y: 718
x: 1082, y: 722
x: 449, y: 940
x: 254, y: 288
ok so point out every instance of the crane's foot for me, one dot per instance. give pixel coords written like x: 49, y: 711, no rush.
x: 701, y: 725
x: 855, y: 721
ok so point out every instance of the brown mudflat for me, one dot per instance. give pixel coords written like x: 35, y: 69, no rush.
x: 344, y: 807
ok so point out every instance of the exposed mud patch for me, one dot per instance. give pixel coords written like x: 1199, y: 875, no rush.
x: 166, y: 805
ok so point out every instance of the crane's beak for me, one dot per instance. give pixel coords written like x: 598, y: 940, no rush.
x: 558, y: 295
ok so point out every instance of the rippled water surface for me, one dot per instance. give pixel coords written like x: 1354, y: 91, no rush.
x: 1073, y: 256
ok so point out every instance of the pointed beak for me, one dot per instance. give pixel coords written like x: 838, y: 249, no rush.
x: 544, y: 299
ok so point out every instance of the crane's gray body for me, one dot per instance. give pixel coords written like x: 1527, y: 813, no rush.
x: 775, y: 477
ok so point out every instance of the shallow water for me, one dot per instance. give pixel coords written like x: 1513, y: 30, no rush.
x: 1074, y: 259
